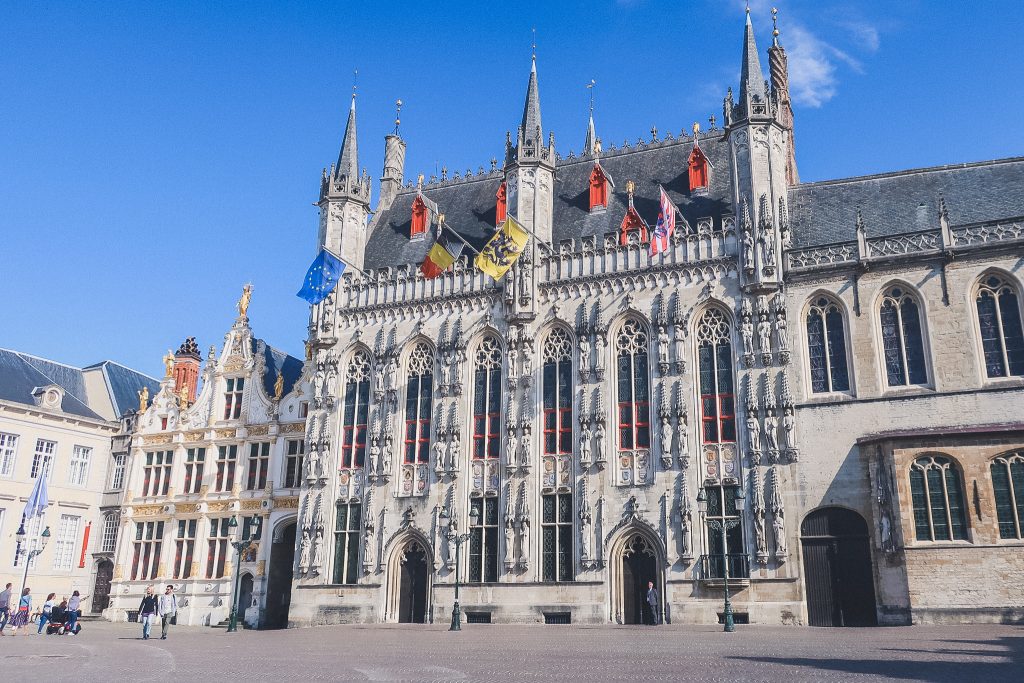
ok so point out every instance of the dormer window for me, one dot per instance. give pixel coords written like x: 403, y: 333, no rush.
x: 501, y: 207
x: 599, y: 182
x: 632, y: 221
x: 420, y: 218
x: 698, y: 166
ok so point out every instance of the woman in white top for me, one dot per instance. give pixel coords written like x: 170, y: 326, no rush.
x: 47, y: 609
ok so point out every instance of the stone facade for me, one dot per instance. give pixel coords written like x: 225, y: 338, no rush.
x: 706, y: 349
x: 234, y: 451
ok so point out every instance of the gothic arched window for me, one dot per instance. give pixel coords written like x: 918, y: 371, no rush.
x: 717, y: 392
x: 357, y: 403
x: 633, y: 396
x: 487, y: 400
x: 1008, y: 486
x: 557, y: 393
x: 826, y: 347
x: 938, y: 500
x: 418, y: 402
x: 902, y: 339
x: 1002, y: 338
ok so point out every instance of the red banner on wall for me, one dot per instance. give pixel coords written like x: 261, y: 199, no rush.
x: 85, y: 544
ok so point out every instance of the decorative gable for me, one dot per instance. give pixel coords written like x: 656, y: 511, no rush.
x: 632, y: 221
x: 420, y: 217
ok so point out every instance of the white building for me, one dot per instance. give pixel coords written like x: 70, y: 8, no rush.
x: 60, y: 421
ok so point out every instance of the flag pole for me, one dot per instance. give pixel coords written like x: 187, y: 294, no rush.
x: 551, y: 249
x: 444, y: 224
x: 347, y: 264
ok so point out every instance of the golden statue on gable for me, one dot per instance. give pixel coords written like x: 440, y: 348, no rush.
x: 243, y: 303
x: 168, y: 363
x: 279, y: 387
x: 143, y: 400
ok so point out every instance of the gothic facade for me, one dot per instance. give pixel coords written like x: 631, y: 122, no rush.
x: 812, y: 385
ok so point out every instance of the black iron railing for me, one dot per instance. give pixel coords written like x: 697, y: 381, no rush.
x: 713, y: 567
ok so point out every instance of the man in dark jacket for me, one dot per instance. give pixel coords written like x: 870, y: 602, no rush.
x: 653, y: 603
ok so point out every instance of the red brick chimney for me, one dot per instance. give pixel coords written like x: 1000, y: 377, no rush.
x: 186, y: 368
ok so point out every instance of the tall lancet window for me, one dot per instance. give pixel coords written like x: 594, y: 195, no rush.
x: 937, y: 497
x: 826, y: 347
x: 633, y: 401
x: 902, y: 339
x: 1008, y: 485
x: 557, y: 390
x: 487, y: 400
x: 1002, y: 339
x: 356, y: 410
x: 717, y: 393
x: 419, y: 391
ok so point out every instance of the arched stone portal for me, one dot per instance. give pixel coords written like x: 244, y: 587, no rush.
x: 837, y: 568
x: 636, y: 559
x: 409, y: 578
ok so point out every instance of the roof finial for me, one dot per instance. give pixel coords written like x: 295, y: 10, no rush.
x: 533, y: 45
x: 590, y: 87
x: 775, y: 26
x: 398, y: 115
x: 630, y: 189
x: 355, y: 83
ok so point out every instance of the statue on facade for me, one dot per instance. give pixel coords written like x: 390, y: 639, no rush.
x: 788, y: 422
x: 767, y: 241
x: 748, y: 250
x: 279, y: 386
x: 753, y: 432
x: 781, y: 331
x: 585, y: 438
x: 525, y: 445
x: 318, y: 550
x: 599, y: 352
x: 677, y: 342
x: 584, y: 357
x: 663, y: 348
x: 371, y: 470
x: 524, y: 535
x: 143, y: 400
x: 510, y: 535
x: 771, y: 429
x: 312, y: 462
x: 764, y: 332
x: 168, y: 363
x: 599, y: 435
x: 586, y: 521
x: 439, y: 454
x: 747, y: 334
x: 666, y: 440
x: 304, y: 551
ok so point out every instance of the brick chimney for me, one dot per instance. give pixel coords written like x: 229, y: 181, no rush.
x: 186, y: 368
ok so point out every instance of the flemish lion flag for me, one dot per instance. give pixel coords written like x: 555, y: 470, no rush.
x: 442, y: 255
x: 502, y: 250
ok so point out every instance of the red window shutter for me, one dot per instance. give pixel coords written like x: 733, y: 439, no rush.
x: 598, y: 188
x: 420, y: 217
x: 698, y: 169
x: 501, y: 208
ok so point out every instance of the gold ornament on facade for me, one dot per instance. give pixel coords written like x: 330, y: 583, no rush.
x: 224, y: 433
x: 168, y: 363
x: 251, y: 504
x: 186, y: 508
x: 261, y: 568
x: 279, y: 386
x: 258, y: 430
x: 293, y: 428
x: 143, y: 400
x: 156, y: 440
x: 183, y: 397
x: 219, y: 506
x: 192, y: 436
x: 286, y: 503
x: 148, y: 510
x: 243, y: 303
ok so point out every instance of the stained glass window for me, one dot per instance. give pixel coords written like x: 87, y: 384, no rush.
x: 826, y: 346
x: 902, y: 339
x: 999, y: 319
x: 937, y: 497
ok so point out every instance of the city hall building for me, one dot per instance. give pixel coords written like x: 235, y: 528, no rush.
x: 813, y: 389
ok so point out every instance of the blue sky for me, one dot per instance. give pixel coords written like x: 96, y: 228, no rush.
x: 155, y: 157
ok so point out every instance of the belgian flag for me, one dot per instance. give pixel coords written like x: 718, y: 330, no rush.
x: 442, y: 255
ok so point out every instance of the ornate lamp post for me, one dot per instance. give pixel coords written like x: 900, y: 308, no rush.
x: 722, y: 526
x: 38, y: 543
x: 452, y: 534
x: 252, y: 534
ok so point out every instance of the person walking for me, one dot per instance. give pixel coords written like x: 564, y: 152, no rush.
x: 168, y: 607
x: 147, y: 610
x: 47, y: 614
x: 653, y: 603
x: 74, y: 611
x: 5, y: 608
x: 24, y: 609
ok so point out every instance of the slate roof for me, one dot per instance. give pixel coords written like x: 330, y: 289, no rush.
x: 469, y: 204
x: 20, y: 373
x: 277, y: 362
x: 906, y: 201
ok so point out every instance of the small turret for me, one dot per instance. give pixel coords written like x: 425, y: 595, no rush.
x: 394, y: 163
x: 778, y: 65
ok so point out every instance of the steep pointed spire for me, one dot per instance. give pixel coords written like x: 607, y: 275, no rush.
x: 531, y: 127
x: 348, y: 158
x: 590, y: 144
x: 752, y: 92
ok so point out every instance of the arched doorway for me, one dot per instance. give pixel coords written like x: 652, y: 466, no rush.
x: 101, y: 590
x: 244, y: 595
x: 638, y: 563
x: 412, y: 598
x: 279, y: 580
x: 837, y: 569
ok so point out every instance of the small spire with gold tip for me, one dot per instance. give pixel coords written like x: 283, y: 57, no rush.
x: 398, y: 115
x: 775, y: 26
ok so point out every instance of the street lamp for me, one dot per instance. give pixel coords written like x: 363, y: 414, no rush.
x: 450, y: 526
x: 251, y: 534
x: 22, y: 548
x: 723, y: 525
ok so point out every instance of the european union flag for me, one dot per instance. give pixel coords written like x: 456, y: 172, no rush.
x: 322, y: 277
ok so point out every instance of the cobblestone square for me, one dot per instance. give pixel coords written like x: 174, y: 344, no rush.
x: 107, y: 651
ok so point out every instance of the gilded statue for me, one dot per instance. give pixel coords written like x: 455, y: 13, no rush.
x: 168, y: 363
x: 279, y: 387
x: 143, y: 399
x: 243, y: 303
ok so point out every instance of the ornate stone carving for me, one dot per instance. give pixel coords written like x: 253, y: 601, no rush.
x: 758, y: 512
x: 586, y: 528
x: 682, y: 431
x: 524, y: 528
x: 510, y: 529
x: 685, y: 521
